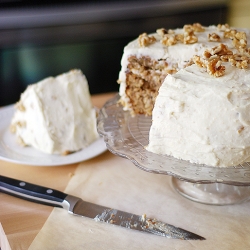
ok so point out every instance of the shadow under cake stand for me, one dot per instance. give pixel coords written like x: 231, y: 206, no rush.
x: 126, y: 136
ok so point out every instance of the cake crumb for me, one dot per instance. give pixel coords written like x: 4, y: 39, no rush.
x: 71, y: 174
x: 143, y: 217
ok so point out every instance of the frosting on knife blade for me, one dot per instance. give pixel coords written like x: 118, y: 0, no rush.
x: 142, y: 223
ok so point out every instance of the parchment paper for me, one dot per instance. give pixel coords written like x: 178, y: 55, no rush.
x: 113, y: 181
x: 4, y: 243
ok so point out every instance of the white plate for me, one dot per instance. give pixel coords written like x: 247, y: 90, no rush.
x: 11, y: 151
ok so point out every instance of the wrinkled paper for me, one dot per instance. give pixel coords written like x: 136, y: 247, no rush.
x: 116, y: 182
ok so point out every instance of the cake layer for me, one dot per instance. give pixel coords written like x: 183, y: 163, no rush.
x: 202, y: 118
x: 56, y: 115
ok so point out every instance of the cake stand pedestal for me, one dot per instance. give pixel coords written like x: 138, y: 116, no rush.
x: 127, y: 136
x: 212, y: 193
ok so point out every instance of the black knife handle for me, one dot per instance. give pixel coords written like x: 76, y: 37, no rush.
x: 32, y: 192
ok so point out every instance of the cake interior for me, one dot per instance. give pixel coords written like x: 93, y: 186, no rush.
x: 144, y: 77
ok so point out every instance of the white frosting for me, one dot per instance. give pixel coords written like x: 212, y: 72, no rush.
x: 203, y: 119
x: 178, y: 54
x: 58, y: 115
x: 197, y: 117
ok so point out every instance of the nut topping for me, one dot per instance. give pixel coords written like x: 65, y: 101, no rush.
x: 215, y: 68
x: 213, y: 37
x: 145, y: 40
x: 223, y: 27
x: 168, y: 40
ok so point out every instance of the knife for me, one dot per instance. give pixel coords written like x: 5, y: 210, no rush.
x: 77, y: 206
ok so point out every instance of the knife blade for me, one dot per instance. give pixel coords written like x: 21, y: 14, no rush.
x: 77, y: 206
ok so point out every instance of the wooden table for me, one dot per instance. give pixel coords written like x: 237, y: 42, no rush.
x: 22, y: 220
x: 115, y: 182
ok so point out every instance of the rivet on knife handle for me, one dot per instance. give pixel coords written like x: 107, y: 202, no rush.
x: 77, y: 206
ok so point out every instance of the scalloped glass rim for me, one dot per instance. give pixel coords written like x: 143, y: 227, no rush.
x: 126, y: 136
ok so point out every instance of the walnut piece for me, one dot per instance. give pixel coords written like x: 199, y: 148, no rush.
x: 198, y: 27
x: 215, y: 68
x: 179, y: 37
x: 20, y: 141
x: 20, y: 106
x: 213, y: 65
x: 170, y: 31
x: 207, y: 54
x: 241, y: 64
x: 223, y: 27
x: 145, y: 40
x: 213, y: 37
x: 229, y: 33
x: 240, y: 61
x: 240, y: 129
x: 13, y: 128
x: 161, y: 32
x: 168, y: 37
x: 225, y: 58
x: 240, y: 40
x: 20, y: 124
x: 66, y: 152
x: 171, y: 71
x: 221, y: 49
x: 190, y: 39
x: 188, y: 28
x: 244, y: 51
x: 169, y: 40
x: 198, y: 61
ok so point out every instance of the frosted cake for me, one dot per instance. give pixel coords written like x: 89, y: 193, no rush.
x: 197, y: 90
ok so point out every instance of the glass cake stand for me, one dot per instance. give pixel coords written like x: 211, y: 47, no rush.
x: 126, y: 136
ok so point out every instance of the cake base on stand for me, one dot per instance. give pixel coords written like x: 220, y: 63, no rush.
x: 212, y: 193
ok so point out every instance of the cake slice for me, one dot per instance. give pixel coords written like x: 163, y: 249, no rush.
x: 56, y: 115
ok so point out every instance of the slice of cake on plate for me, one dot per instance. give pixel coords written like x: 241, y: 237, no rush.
x: 56, y: 115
